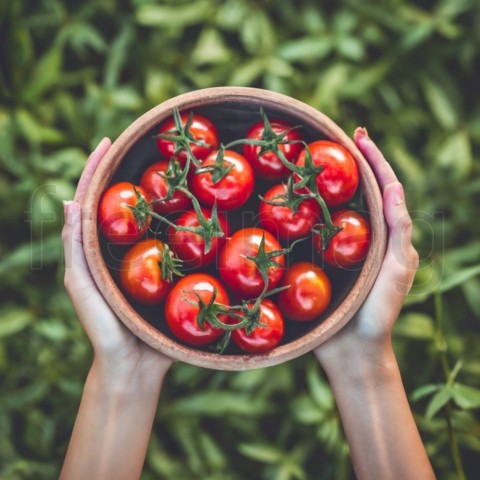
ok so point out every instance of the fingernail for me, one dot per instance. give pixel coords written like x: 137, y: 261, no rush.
x: 399, y: 196
x: 360, y: 134
x: 362, y: 131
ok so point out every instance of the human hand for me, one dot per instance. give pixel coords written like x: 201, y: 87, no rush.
x: 368, y: 335
x: 116, y: 350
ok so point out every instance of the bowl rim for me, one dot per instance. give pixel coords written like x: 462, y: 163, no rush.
x: 338, y: 318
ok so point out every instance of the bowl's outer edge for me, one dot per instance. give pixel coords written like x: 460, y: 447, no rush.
x: 151, y: 335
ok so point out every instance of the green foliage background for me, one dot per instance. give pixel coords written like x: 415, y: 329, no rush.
x: 73, y: 72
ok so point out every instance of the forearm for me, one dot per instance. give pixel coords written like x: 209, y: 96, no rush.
x: 113, y: 425
x: 380, y: 429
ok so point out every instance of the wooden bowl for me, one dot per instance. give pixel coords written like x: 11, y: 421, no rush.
x: 232, y: 109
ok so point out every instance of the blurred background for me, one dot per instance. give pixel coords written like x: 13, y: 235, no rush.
x: 73, y: 72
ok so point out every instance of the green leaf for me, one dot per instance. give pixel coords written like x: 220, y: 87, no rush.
x: 424, y: 391
x: 45, y: 75
x: 83, y: 36
x: 307, y: 412
x: 307, y: 49
x: 457, y: 278
x: 465, y: 396
x: 455, y: 155
x: 219, y: 403
x: 34, y: 130
x: 319, y: 390
x: 210, y: 48
x: 68, y: 162
x: 438, y: 401
x: 350, y: 47
x: 35, y: 255
x: 53, y: 330
x: 440, y: 104
x: 261, y: 452
x: 246, y: 73
x: 177, y: 16
x: 415, y: 325
x: 14, y: 319
x: 471, y: 290
x: 257, y: 33
x: 117, y: 57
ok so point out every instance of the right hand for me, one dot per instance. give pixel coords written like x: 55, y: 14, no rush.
x: 367, y: 337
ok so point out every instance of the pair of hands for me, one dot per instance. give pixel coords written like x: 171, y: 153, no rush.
x: 364, y: 339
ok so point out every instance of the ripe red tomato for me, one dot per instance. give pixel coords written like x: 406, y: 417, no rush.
x: 182, y: 308
x: 268, y: 165
x: 338, y: 181
x: 262, y: 338
x: 309, y: 294
x: 141, y: 275
x: 348, y: 247
x: 201, y: 129
x: 189, y: 246
x: 116, y: 220
x: 231, y: 191
x: 157, y: 187
x: 282, y: 222
x: 238, y: 272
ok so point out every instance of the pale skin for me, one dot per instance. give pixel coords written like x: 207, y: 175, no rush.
x: 121, y: 393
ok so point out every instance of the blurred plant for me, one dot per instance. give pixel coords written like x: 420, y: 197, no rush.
x: 73, y: 72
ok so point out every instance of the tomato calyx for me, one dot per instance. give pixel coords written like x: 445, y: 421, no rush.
x: 326, y: 230
x: 208, y: 229
x: 307, y: 175
x: 141, y: 210
x: 181, y: 136
x: 264, y: 261
x: 170, y: 264
x: 219, y: 169
x: 175, y: 176
x: 247, y: 314
x: 270, y: 140
x: 291, y: 198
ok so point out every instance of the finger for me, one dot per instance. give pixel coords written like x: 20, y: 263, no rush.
x: 90, y: 167
x: 80, y: 285
x: 75, y: 262
x: 401, y: 259
x: 382, y: 169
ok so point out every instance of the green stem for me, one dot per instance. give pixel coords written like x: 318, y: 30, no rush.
x: 442, y: 348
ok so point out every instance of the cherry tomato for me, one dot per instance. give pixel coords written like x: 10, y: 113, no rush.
x: 201, y: 129
x: 238, y: 272
x: 116, y: 220
x: 282, y: 222
x: 268, y: 165
x: 309, y: 294
x: 338, y: 180
x: 262, y: 338
x: 348, y: 247
x: 157, y: 187
x: 182, y: 308
x: 231, y: 191
x: 189, y: 246
x: 141, y: 275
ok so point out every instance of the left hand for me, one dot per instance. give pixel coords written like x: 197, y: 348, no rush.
x: 118, y: 352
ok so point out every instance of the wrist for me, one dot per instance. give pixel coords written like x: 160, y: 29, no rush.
x: 138, y: 379
x: 360, y: 363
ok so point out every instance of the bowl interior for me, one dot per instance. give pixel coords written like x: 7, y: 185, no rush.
x: 233, y: 117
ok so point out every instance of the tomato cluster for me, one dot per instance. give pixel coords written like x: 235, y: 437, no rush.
x: 212, y: 283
